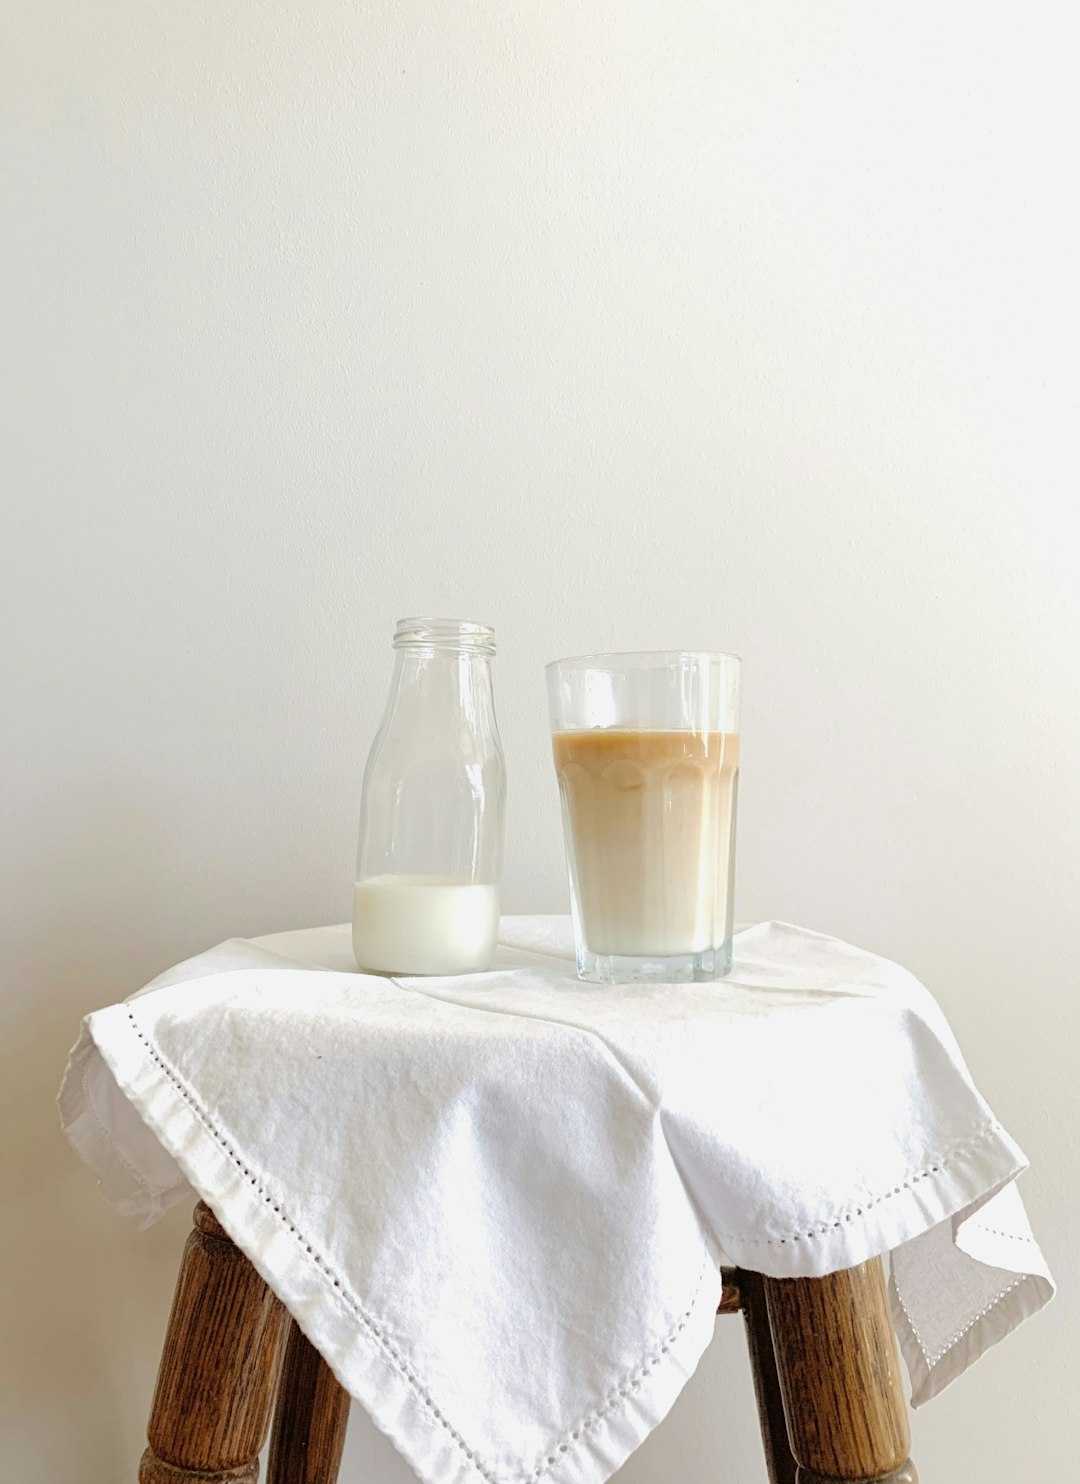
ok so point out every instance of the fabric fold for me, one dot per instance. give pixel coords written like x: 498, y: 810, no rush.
x: 498, y: 1204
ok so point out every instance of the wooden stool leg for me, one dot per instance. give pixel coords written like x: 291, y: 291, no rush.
x: 778, y: 1459
x: 840, y: 1377
x: 218, y: 1369
x: 310, y: 1420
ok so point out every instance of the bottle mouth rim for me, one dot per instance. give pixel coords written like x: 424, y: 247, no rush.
x: 444, y: 634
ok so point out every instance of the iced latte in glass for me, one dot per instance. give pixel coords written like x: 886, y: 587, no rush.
x: 646, y: 750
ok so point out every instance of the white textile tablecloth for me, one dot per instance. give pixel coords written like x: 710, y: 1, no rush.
x: 497, y: 1203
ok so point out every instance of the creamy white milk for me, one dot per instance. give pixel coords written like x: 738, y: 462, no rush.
x: 424, y: 924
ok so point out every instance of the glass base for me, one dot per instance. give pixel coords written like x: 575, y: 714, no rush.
x: 676, y: 968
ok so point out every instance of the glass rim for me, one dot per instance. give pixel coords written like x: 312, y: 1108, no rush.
x: 657, y: 656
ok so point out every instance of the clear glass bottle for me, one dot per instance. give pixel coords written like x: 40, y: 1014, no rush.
x: 426, y: 899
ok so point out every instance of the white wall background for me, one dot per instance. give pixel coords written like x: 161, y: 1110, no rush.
x: 616, y: 324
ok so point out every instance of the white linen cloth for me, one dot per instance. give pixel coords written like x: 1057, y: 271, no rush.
x: 497, y: 1203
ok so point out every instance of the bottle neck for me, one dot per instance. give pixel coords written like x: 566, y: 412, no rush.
x: 442, y: 676
x: 450, y: 670
x: 435, y: 690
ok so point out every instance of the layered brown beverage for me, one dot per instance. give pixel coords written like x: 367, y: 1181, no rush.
x: 651, y: 817
x: 646, y: 751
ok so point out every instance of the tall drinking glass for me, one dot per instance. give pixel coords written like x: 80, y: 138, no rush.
x: 647, y: 755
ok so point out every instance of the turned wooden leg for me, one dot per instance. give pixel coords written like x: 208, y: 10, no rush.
x: 310, y: 1419
x: 218, y: 1369
x: 774, y: 1437
x: 840, y: 1377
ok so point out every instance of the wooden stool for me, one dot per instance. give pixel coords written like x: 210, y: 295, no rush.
x: 822, y: 1351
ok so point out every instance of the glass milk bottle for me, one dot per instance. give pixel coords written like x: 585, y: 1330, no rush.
x: 426, y: 899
